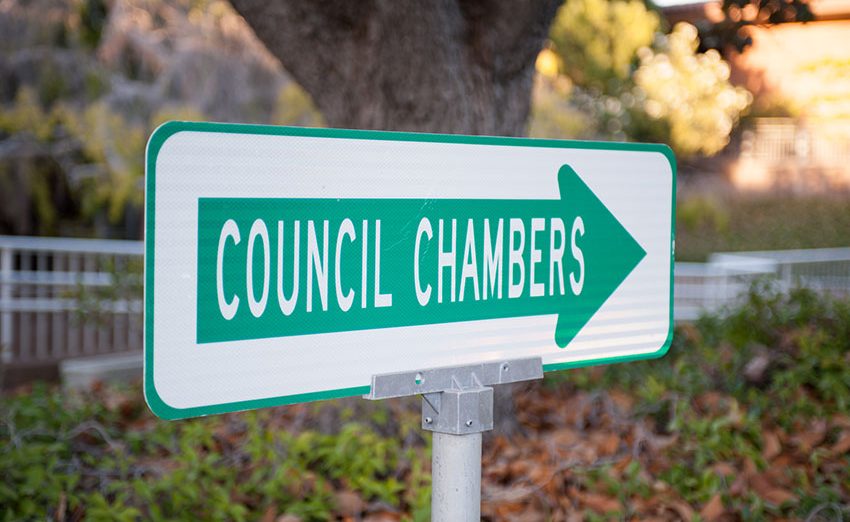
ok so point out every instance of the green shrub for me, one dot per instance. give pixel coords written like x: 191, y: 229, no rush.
x: 101, y: 455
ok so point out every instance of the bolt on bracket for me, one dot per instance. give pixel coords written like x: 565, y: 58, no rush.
x: 456, y: 400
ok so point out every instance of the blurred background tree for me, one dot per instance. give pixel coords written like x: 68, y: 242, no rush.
x: 687, y: 100
x: 596, y: 41
x: 730, y: 31
x: 619, y: 76
x: 84, y: 82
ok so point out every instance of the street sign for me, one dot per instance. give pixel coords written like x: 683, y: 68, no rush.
x: 285, y: 265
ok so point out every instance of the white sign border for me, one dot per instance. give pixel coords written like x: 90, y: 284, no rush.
x: 162, y: 409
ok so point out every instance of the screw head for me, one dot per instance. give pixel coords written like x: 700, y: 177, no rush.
x: 428, y: 420
x: 469, y: 423
x: 505, y: 367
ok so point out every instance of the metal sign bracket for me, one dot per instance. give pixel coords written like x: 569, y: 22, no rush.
x: 458, y: 399
x: 457, y: 405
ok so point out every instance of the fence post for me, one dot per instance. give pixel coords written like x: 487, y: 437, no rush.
x: 786, y: 277
x: 6, y: 305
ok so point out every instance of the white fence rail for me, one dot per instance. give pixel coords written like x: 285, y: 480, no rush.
x: 63, y: 298
x: 725, y: 278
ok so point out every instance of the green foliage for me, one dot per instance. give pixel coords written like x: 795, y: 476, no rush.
x: 701, y: 212
x: 36, y: 454
x: 36, y: 176
x: 690, y: 92
x: 102, y: 456
x: 110, y: 146
x: 810, y: 341
x: 95, y: 303
x: 117, y: 146
x: 805, y: 336
x: 52, y: 85
x: 700, y: 396
x: 552, y: 114
x: 92, y: 16
x: 97, y: 151
x: 27, y: 115
x: 598, y: 40
x: 96, y: 85
x: 634, y: 82
x: 294, y: 107
x: 80, y: 171
x: 177, y: 113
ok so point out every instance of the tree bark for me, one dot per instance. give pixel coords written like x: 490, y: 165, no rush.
x: 453, y: 66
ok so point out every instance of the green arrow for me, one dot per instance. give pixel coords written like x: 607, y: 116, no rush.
x: 427, y: 261
x: 613, y: 254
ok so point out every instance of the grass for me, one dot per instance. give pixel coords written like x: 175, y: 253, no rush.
x: 707, y: 224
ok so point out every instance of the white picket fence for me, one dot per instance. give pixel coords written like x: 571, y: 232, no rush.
x: 58, y: 299
x: 48, y: 312
x: 722, y: 281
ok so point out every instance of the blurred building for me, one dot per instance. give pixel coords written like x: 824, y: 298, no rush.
x: 799, y: 73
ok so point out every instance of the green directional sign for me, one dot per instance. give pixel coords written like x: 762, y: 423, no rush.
x: 283, y: 267
x: 287, y: 264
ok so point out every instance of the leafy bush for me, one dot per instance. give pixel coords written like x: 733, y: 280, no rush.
x: 747, y: 417
x: 102, y: 455
x: 740, y: 390
x: 631, y: 80
x: 688, y: 94
x: 598, y: 41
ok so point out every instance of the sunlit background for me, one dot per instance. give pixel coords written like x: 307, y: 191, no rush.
x: 748, y: 418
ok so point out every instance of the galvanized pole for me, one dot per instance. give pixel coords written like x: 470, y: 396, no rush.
x: 456, y: 477
x: 457, y: 407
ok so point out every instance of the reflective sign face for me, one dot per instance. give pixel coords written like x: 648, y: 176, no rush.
x: 284, y: 265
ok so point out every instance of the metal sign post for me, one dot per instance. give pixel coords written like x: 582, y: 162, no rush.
x: 457, y: 406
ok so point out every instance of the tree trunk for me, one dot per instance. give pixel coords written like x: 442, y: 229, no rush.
x: 450, y: 66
